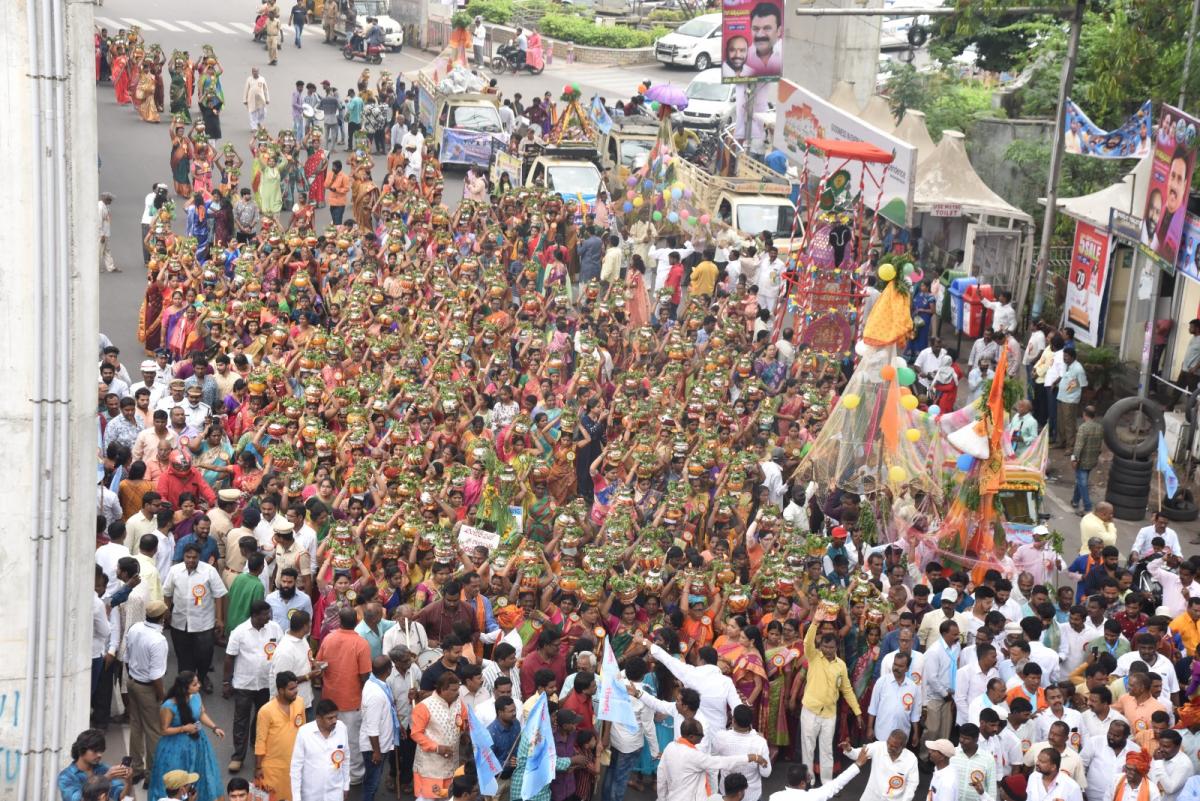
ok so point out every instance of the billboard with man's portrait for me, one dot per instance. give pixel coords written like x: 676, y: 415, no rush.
x: 1165, y: 211
x: 751, y: 41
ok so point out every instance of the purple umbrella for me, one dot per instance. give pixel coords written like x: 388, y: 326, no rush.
x: 668, y: 95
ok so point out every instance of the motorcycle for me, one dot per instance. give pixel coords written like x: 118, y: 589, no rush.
x: 510, y: 57
x: 372, y: 54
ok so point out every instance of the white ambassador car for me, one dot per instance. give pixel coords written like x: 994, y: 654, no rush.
x: 696, y: 43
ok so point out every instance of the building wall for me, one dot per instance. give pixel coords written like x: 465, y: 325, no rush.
x: 820, y: 51
x: 39, y: 719
x: 987, y: 143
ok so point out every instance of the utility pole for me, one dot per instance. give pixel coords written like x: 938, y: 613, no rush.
x: 1056, y: 154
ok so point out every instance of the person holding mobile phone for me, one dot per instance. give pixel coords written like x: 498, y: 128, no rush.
x: 87, y: 761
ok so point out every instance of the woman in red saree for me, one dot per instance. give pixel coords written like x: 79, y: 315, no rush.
x: 150, y: 318
x: 121, y: 77
x: 314, y: 169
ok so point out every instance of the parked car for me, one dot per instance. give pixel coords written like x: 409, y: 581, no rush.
x: 695, y: 43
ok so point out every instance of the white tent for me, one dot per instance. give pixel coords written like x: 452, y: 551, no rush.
x: 1127, y: 195
x: 912, y: 129
x: 844, y: 98
x: 877, y: 112
x: 947, y: 178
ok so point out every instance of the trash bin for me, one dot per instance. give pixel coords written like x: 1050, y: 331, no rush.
x: 976, y: 317
x: 958, y: 288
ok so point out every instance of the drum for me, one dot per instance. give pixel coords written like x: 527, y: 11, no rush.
x: 428, y: 657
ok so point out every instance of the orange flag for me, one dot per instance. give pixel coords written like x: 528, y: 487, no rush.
x: 889, y: 421
x: 992, y: 475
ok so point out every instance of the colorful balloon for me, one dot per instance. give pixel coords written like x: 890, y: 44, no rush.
x: 897, y: 474
x: 906, y: 376
x: 909, y: 402
x: 935, y: 410
x: 627, y: 207
x: 704, y: 219
x: 657, y: 216
x: 851, y: 400
x: 673, y: 217
x: 684, y: 213
x: 887, y: 272
x: 887, y: 372
x: 965, y: 462
x: 912, y: 434
x: 637, y: 201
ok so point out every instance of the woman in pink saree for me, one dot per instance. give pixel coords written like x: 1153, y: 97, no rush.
x: 741, y: 646
x: 637, y: 300
x: 533, y: 53
x: 315, y: 167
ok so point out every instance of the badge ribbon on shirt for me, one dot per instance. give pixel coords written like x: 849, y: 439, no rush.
x: 269, y: 650
x: 337, y: 758
x: 198, y: 593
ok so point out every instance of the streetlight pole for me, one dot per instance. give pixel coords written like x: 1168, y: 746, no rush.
x: 1056, y: 154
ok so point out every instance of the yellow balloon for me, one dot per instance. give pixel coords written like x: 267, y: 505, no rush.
x: 887, y: 272
x: 638, y: 201
x: 850, y: 400
x: 912, y: 434
x: 909, y: 402
x: 897, y: 474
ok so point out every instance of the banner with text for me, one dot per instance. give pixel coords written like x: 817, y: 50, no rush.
x: 1189, y: 258
x: 801, y: 114
x: 1087, y: 282
x: 463, y: 146
x: 1130, y: 141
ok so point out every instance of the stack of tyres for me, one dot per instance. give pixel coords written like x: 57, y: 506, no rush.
x: 1131, y: 430
x: 1129, y: 487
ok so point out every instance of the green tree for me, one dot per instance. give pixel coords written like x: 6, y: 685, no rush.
x: 949, y: 102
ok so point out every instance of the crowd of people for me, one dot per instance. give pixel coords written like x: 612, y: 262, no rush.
x: 448, y: 486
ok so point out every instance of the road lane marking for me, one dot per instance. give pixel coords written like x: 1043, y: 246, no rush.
x: 193, y: 26
x: 162, y: 23
x: 243, y: 27
x: 105, y: 22
x: 216, y: 26
x: 139, y: 23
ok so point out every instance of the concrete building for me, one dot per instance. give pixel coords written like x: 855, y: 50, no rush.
x: 48, y: 326
x: 820, y: 51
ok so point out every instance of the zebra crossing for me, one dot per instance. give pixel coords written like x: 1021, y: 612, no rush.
x: 205, y: 27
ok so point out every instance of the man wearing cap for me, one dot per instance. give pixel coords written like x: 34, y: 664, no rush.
x: 943, y: 784
x: 149, y: 371
x: 932, y: 621
x: 179, y: 783
x: 1036, y: 558
x: 175, y: 395
x: 220, y: 517
x: 146, y: 659
x: 288, y: 553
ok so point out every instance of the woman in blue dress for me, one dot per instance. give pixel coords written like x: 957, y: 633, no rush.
x: 923, y: 304
x: 184, y: 745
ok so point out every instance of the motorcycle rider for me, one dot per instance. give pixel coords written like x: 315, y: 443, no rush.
x: 374, y: 33
x: 523, y: 46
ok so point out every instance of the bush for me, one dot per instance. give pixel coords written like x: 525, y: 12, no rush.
x: 570, y: 28
x: 497, y: 12
x: 667, y: 15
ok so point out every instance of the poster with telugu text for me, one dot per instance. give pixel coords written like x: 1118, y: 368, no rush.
x: 1087, y: 281
x: 751, y: 41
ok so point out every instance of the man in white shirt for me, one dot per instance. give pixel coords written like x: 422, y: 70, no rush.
x: 1104, y: 760
x: 108, y: 554
x: 626, y: 743
x: 770, y: 279
x: 1147, y: 651
x: 894, y: 774
x: 1055, y: 711
x: 972, y: 681
x: 941, y: 659
x: 503, y: 663
x: 1159, y: 528
x: 1048, y: 782
x: 146, y: 659
x: 479, y: 41
x: 1174, y: 575
x: 943, y: 784
x: 683, y: 769
x: 380, y: 726
x: 773, y: 477
x: 717, y: 693
x: 320, y: 759
x: 248, y: 656
x: 1033, y: 349
x: 195, y: 595
x: 472, y: 693
x: 149, y: 371
x: 992, y: 698
x: 1004, y: 317
x: 1095, y: 721
x: 895, y: 702
x: 1000, y: 740
x: 798, y: 778
x: 295, y: 656
x: 740, y: 740
x: 1171, y: 767
x: 929, y: 360
x: 662, y: 262
x: 404, y: 682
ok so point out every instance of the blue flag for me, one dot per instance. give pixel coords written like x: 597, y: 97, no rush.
x: 615, y: 703
x: 599, y: 115
x: 1164, y: 466
x: 537, y: 740
x: 487, y: 767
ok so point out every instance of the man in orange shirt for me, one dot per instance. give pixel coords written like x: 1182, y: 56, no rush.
x: 348, y: 666
x: 337, y: 188
x: 1138, y: 705
x: 278, y: 722
x: 1030, y: 687
x: 1187, y: 625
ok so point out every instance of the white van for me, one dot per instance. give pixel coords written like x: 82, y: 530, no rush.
x: 710, y: 103
x: 695, y: 43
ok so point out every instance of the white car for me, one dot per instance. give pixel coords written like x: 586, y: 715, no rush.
x: 695, y: 43
x: 710, y: 102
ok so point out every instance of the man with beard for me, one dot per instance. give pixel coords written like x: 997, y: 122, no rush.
x: 766, y: 26
x: 736, y: 50
x: 1170, y: 227
x: 1151, y: 218
x: 285, y: 601
x: 1103, y: 759
x: 1048, y: 782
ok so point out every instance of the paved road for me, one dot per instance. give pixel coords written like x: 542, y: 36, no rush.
x: 134, y: 156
